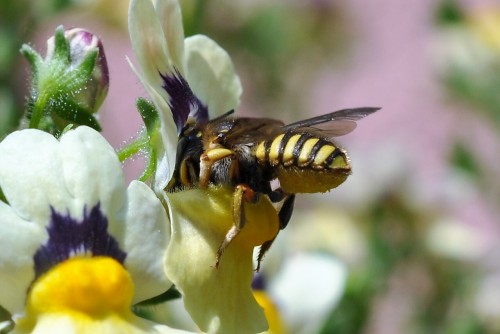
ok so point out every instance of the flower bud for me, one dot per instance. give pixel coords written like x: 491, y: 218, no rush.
x: 70, y: 83
x: 81, y: 42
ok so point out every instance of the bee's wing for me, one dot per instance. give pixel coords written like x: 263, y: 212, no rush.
x: 334, y: 124
x: 252, y: 130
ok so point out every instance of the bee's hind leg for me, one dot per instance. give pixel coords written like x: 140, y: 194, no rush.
x: 242, y: 193
x: 284, y: 216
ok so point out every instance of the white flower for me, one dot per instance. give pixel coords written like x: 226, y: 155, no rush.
x: 193, y: 79
x: 74, y: 241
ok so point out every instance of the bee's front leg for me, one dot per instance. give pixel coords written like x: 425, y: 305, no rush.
x: 207, y: 160
x: 242, y: 193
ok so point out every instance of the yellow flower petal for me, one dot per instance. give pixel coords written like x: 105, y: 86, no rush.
x: 219, y: 300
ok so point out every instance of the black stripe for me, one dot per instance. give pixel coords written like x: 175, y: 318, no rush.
x: 298, y: 147
x: 267, y: 146
x: 316, y: 148
x: 332, y: 156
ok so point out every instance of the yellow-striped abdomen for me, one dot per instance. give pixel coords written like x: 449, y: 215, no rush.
x: 304, y: 162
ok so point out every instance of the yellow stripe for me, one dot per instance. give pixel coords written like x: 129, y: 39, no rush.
x: 323, y: 153
x: 274, y: 152
x: 260, y: 152
x: 305, y: 152
x: 288, y: 151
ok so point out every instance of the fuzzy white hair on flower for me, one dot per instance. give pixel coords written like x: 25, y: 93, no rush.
x: 66, y: 209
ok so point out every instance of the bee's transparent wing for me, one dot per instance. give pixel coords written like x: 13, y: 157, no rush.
x: 334, y: 124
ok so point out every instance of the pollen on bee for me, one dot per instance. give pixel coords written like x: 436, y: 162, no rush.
x: 260, y: 152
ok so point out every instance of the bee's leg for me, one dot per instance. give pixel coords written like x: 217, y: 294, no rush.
x: 286, y: 211
x: 207, y: 160
x: 242, y: 193
x: 187, y: 172
x: 284, y: 216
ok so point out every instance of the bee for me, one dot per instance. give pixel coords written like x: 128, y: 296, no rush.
x: 249, y: 154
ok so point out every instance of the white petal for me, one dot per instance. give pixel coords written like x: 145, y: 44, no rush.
x: 146, y: 238
x: 71, y: 323
x: 31, y: 175
x: 307, y: 288
x: 92, y: 173
x: 19, y: 240
x: 169, y: 15
x: 211, y: 75
x: 148, y: 42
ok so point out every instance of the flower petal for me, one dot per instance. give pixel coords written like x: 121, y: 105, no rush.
x: 92, y: 173
x: 219, y: 300
x: 211, y: 75
x: 146, y: 238
x: 148, y: 42
x: 71, y: 324
x: 30, y: 174
x: 19, y: 241
x: 307, y: 288
x: 169, y: 15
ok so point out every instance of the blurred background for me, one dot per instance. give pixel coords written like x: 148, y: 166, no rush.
x: 414, y: 232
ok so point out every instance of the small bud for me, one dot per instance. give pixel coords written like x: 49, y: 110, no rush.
x: 70, y: 84
x: 81, y: 43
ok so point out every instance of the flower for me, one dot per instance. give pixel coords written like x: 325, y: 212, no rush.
x: 186, y: 78
x: 305, y: 289
x: 193, y: 79
x: 70, y: 83
x: 77, y: 247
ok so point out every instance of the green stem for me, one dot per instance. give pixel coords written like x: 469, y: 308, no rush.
x: 37, y: 114
x: 131, y: 149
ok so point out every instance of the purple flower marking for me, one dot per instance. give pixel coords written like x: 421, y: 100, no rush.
x: 182, y: 101
x: 69, y: 237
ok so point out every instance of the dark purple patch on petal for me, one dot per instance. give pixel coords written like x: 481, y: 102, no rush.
x: 259, y: 282
x: 69, y: 237
x: 182, y: 101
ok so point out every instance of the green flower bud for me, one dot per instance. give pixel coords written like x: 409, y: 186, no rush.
x: 81, y: 43
x: 70, y: 84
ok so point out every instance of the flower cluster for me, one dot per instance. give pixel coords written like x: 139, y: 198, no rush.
x: 79, y: 251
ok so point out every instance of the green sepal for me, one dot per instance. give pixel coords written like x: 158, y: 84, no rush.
x: 151, y: 120
x: 148, y: 140
x: 61, y: 50
x: 73, y: 113
x: 145, y: 309
x: 149, y: 115
x: 33, y: 58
